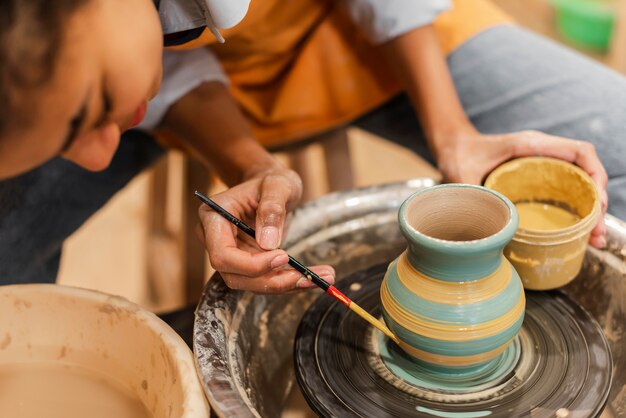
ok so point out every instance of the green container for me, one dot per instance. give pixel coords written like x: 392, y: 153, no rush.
x: 587, y: 23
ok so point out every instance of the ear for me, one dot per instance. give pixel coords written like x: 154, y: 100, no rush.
x: 95, y: 150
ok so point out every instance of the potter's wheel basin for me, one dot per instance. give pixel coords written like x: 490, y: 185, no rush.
x: 243, y: 343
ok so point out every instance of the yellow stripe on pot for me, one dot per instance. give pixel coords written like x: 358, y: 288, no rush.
x: 449, y: 331
x: 452, y: 360
x: 453, y: 293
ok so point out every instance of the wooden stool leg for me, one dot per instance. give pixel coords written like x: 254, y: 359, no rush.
x: 175, y: 258
x: 162, y: 258
x: 300, y: 162
x: 305, y: 160
x: 338, y: 165
x: 196, y: 177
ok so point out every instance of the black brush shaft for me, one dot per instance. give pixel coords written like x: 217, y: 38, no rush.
x: 226, y: 214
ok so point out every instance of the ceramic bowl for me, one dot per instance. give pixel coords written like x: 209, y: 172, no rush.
x: 112, y: 338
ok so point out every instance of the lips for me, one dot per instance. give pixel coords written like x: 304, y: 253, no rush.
x: 139, y: 114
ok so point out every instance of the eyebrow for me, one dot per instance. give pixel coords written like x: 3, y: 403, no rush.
x: 78, y: 121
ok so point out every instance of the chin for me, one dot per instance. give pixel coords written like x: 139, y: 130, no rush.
x: 93, y: 163
x: 96, y: 165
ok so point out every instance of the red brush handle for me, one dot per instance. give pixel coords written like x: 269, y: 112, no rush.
x: 334, y: 292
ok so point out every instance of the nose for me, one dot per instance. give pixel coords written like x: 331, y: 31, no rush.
x: 95, y: 150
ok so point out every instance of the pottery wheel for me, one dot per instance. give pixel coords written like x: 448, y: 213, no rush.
x: 560, y: 364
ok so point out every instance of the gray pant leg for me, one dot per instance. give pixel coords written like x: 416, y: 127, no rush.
x: 509, y: 79
x: 40, y: 209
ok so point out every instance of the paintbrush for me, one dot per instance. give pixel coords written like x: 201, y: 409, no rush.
x: 306, y: 272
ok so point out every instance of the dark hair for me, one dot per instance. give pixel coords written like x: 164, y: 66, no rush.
x: 31, y: 35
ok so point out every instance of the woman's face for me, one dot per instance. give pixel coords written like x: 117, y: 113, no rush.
x: 107, y: 69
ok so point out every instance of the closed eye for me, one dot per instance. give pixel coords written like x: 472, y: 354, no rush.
x: 79, y: 120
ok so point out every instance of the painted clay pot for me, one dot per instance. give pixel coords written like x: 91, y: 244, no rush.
x: 452, y: 298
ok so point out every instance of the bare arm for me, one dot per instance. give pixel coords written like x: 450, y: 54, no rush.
x: 462, y: 153
x: 421, y: 67
x: 209, y: 121
x: 262, y: 192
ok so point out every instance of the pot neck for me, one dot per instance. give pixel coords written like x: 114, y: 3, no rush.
x: 456, y: 263
x: 457, y: 232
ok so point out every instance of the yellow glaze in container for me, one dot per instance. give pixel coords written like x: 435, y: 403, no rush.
x: 558, y: 206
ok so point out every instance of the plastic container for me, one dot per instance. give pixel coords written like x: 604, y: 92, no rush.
x: 73, y: 351
x: 587, y: 23
x: 548, y: 259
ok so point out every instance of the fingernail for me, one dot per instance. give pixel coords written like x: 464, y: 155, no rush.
x: 269, y: 238
x: 304, y: 282
x: 279, y: 261
x: 330, y: 278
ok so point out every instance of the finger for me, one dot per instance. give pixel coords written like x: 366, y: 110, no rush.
x: 597, y: 241
x: 598, y: 234
x: 325, y: 272
x: 604, y: 201
x: 230, y: 259
x: 199, y: 231
x: 277, y: 282
x: 578, y: 152
x: 225, y: 255
x: 587, y: 159
x: 582, y: 153
x: 208, y: 217
x: 217, y: 232
x: 294, y: 280
x: 275, y: 192
x: 213, y: 224
x: 473, y: 178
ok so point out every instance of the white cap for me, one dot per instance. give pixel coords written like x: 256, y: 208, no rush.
x: 183, y: 15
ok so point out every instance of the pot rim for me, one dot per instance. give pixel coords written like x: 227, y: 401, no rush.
x: 499, y: 239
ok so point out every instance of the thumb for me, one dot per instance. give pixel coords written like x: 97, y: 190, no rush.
x: 467, y: 175
x: 270, y: 215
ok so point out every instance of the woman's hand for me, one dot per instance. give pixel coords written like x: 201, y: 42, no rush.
x: 473, y: 155
x: 261, y: 201
x: 210, y: 124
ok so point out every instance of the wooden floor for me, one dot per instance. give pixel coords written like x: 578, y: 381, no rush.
x: 109, y: 252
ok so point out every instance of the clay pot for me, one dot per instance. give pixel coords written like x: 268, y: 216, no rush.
x: 452, y: 298
x: 98, y: 338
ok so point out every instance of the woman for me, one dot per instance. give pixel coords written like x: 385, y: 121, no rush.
x: 69, y: 87
x: 265, y: 64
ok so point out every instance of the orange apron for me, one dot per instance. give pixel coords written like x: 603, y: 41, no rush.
x: 300, y: 67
